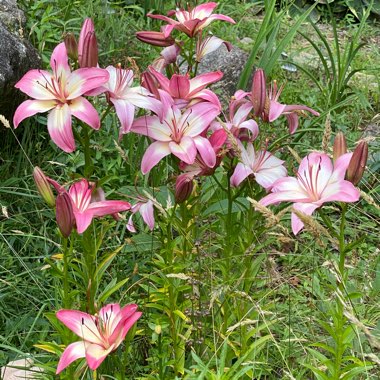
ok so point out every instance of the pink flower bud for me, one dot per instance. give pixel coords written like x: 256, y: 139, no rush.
x: 150, y: 83
x: 64, y: 214
x: 340, y: 146
x: 183, y: 188
x: 155, y: 38
x: 258, y: 92
x: 87, y: 27
x: 71, y: 46
x: 43, y: 186
x: 357, y: 163
x: 89, y: 56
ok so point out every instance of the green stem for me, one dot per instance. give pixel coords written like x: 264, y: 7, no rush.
x: 66, y: 298
x: 88, y: 167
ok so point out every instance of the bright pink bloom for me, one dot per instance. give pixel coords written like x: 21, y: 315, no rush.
x: 183, y: 89
x: 60, y: 93
x: 262, y: 164
x: 317, y: 182
x: 208, y: 45
x: 145, y: 207
x: 101, y: 333
x: 177, y: 133
x: 193, y: 21
x: 271, y: 109
x: 125, y: 98
x: 84, y: 206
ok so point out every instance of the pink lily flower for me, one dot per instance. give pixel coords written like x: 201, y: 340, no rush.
x: 101, y: 334
x: 237, y: 123
x: 267, y: 107
x: 265, y: 167
x: 60, y: 93
x: 84, y: 206
x: 145, y: 207
x: 193, y: 21
x: 183, y: 89
x: 125, y: 98
x: 317, y: 182
x: 177, y: 133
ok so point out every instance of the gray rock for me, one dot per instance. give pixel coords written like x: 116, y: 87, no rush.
x: 230, y: 63
x: 17, y: 55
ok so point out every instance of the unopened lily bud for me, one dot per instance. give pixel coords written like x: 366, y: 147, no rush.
x: 71, y: 46
x: 87, y: 27
x: 357, y: 163
x: 149, y: 82
x: 183, y: 188
x: 155, y: 38
x: 64, y: 214
x: 89, y: 57
x: 340, y: 146
x: 43, y: 186
x: 258, y: 92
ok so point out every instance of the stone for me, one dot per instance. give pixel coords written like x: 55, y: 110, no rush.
x: 27, y: 372
x: 230, y: 63
x: 17, y: 55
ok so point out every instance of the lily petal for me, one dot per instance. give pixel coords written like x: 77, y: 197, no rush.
x: 59, y: 127
x: 82, y: 324
x: 72, y: 352
x: 241, y: 172
x: 147, y: 213
x: 305, y: 208
x: 108, y: 207
x: 205, y: 150
x: 85, y: 111
x: 185, y: 150
x: 30, y: 108
x: 155, y: 153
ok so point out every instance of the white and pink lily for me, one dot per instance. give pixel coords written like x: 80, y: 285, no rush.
x: 60, y: 93
x: 177, y: 133
x: 125, y: 97
x: 318, y: 181
x: 146, y: 209
x: 101, y: 333
x: 183, y: 89
x: 265, y: 167
x: 85, y: 208
x: 194, y: 20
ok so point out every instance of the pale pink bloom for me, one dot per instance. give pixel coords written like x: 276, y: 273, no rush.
x: 162, y: 38
x: 176, y: 132
x: 60, y: 93
x: 236, y: 122
x: 265, y: 167
x: 84, y: 206
x: 183, y: 89
x: 208, y: 45
x: 267, y: 107
x: 317, y: 182
x: 145, y: 207
x: 193, y: 21
x: 101, y: 333
x: 125, y: 97
x: 167, y: 56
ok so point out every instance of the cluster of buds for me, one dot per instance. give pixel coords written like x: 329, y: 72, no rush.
x: 86, y: 50
x: 358, y: 161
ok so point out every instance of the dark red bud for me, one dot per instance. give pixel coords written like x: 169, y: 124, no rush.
x: 64, y: 214
x: 183, y: 188
x: 71, y: 46
x: 357, y: 163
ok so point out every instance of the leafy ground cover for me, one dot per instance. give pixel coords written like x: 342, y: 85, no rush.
x: 226, y: 289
